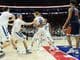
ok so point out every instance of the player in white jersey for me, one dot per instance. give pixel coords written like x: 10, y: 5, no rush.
x: 17, y: 34
x: 47, y: 28
x: 4, y: 34
x: 39, y: 22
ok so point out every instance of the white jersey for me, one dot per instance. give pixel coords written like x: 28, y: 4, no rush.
x: 4, y: 18
x: 17, y: 25
x: 46, y: 27
x: 39, y: 20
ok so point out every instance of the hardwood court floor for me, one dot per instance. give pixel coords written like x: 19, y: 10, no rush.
x: 39, y: 54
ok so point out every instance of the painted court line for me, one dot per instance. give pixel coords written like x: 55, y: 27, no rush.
x: 59, y: 55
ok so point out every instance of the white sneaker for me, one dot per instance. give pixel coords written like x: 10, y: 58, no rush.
x: 30, y: 48
x: 71, y: 50
x: 76, y: 52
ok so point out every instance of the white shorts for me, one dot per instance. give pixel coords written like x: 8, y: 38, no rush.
x: 18, y: 36
x: 42, y: 34
x: 4, y: 34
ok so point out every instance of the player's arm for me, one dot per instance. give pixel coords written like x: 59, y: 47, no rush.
x: 10, y: 24
x: 27, y: 23
x: 69, y: 17
x: 30, y: 23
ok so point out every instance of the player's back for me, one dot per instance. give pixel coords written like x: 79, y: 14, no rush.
x: 16, y: 26
x: 74, y: 17
x: 4, y: 18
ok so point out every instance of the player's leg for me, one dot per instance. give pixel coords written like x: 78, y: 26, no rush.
x: 49, y: 38
x: 50, y: 41
x: 69, y: 40
x: 34, y: 39
x: 1, y: 43
x: 23, y: 38
x: 26, y: 46
x: 6, y: 36
x: 6, y: 44
x: 77, y: 44
x: 13, y: 41
x: 75, y: 33
x: 1, y: 50
x: 77, y: 41
x: 71, y: 50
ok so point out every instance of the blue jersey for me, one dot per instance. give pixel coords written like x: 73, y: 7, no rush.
x: 74, y: 18
x: 74, y: 21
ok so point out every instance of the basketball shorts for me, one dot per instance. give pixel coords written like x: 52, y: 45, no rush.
x: 18, y: 36
x: 4, y: 34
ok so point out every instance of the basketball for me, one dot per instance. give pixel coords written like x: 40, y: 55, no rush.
x: 67, y: 30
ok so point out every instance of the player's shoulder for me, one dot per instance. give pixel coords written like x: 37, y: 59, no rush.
x: 70, y: 9
x: 39, y: 17
x: 5, y: 13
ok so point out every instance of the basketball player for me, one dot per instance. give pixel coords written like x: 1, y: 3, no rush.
x: 4, y: 34
x: 47, y: 28
x: 39, y: 22
x: 72, y: 20
x: 17, y: 34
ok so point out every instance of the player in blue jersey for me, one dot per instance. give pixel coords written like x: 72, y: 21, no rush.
x: 73, y: 22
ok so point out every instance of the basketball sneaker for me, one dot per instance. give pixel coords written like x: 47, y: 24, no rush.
x: 71, y: 50
x: 76, y: 51
x: 28, y: 52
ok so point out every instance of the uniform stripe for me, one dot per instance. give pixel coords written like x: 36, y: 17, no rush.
x: 5, y: 31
